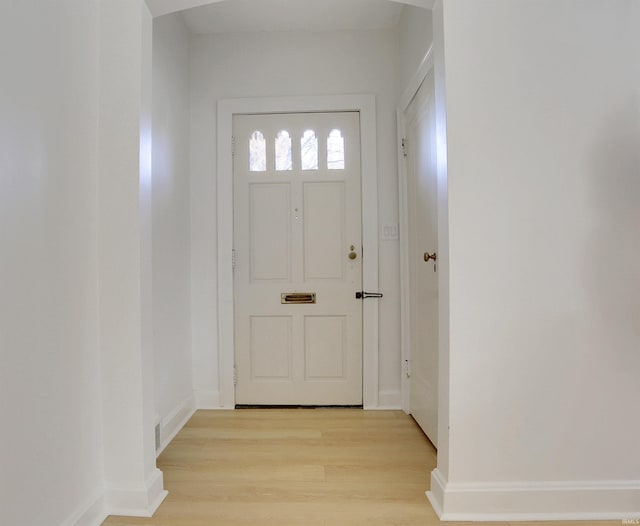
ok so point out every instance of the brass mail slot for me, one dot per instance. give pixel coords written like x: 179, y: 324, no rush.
x: 297, y: 297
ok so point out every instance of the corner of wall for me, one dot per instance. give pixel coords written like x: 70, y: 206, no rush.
x: 137, y: 500
x: 207, y: 399
x: 171, y: 425
x: 92, y: 512
x: 389, y: 399
x: 437, y: 491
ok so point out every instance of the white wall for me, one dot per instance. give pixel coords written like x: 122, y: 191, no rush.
x: 50, y: 390
x: 415, y: 33
x: 280, y: 64
x: 171, y: 257
x: 133, y: 484
x: 543, y: 170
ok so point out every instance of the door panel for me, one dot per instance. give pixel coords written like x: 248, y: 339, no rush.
x: 270, y: 250
x: 271, y: 347
x: 297, y: 213
x: 324, y: 240
x: 325, y: 347
x: 423, y: 280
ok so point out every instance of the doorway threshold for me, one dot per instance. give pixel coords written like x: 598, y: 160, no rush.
x: 259, y: 406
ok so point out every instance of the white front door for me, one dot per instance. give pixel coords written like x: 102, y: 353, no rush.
x: 298, y: 259
x: 423, y: 281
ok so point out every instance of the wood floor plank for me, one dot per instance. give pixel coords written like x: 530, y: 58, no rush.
x: 312, y: 467
x: 281, y: 467
x: 566, y: 523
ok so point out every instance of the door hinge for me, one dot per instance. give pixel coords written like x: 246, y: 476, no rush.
x: 233, y: 146
x: 235, y: 374
x: 405, y: 147
x: 233, y: 259
x: 407, y: 368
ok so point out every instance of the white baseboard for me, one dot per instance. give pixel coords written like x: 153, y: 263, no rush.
x: 175, y: 421
x: 387, y: 400
x: 540, y: 501
x: 436, y: 493
x: 208, y: 399
x: 140, y: 501
x: 137, y: 501
x: 92, y: 512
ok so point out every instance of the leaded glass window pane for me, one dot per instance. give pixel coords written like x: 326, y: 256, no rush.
x: 309, y: 150
x: 335, y: 150
x: 283, y: 151
x: 257, y: 152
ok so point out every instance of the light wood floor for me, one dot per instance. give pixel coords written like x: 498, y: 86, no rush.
x: 268, y: 467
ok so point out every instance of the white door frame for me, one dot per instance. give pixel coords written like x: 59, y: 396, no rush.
x: 366, y: 105
x: 426, y: 67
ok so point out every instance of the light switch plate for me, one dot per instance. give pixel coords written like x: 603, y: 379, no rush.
x: 390, y: 232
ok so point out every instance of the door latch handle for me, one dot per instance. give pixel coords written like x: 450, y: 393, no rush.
x: 364, y: 295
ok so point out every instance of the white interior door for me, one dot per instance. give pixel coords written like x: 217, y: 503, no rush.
x: 423, y: 281
x: 298, y: 259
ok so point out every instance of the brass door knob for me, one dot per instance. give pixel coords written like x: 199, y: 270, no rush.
x: 353, y: 255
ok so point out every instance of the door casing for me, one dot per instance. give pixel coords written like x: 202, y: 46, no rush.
x: 366, y: 106
x: 426, y: 66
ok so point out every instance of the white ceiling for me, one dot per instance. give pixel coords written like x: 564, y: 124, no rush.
x: 292, y: 15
